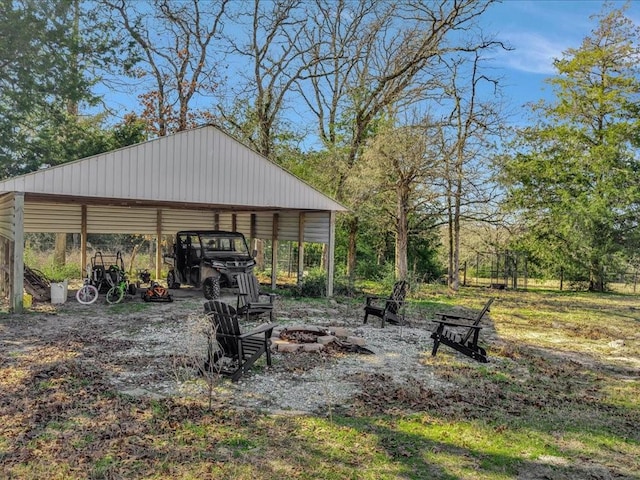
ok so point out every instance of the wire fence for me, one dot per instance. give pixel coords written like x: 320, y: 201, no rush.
x: 627, y: 282
x: 139, y: 252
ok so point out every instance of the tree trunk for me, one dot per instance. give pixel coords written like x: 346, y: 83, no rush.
x: 258, y: 246
x: 402, y: 233
x: 60, y: 254
x: 352, y: 226
x: 456, y: 248
x: 450, y: 266
x: 456, y: 227
x: 596, y: 281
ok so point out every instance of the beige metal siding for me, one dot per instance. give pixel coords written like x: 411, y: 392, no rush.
x: 175, y: 220
x: 121, y: 220
x: 288, y: 226
x: 264, y: 225
x: 67, y: 218
x: 52, y: 218
x: 316, y: 227
x: 243, y: 224
x: 225, y: 222
x: 7, y: 216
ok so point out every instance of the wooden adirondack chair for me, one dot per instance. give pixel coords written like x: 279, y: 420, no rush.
x: 241, y: 350
x: 456, y: 332
x: 390, y: 310
x: 252, y: 302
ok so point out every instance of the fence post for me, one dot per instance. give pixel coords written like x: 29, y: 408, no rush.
x: 561, y: 277
x: 464, y: 275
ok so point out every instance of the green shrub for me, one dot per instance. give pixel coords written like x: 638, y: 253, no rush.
x: 314, y: 284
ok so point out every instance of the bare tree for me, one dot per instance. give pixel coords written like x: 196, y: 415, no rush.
x: 276, y: 56
x: 469, y: 131
x: 382, y: 54
x: 396, y: 166
x: 171, y: 40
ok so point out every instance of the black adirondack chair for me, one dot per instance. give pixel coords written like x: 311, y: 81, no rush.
x: 388, y: 309
x: 237, y: 351
x: 461, y: 333
x: 251, y: 301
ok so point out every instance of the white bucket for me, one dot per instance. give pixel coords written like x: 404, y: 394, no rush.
x: 59, y: 291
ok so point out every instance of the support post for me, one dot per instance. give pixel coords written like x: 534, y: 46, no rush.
x: 274, y: 250
x: 83, y: 239
x: 17, y: 285
x: 300, y: 274
x: 158, y: 243
x: 331, y: 253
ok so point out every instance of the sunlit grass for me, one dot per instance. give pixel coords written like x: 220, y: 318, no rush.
x: 559, y: 399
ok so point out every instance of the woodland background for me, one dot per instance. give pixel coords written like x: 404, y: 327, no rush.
x: 392, y: 108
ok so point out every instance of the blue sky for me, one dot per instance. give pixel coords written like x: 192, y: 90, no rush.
x: 537, y: 30
x: 540, y: 31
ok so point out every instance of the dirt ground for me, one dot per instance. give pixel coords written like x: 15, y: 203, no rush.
x: 148, y: 349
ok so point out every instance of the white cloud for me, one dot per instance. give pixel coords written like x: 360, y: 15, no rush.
x: 532, y: 53
x: 540, y: 32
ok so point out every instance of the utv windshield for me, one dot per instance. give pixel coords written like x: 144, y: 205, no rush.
x: 216, y: 245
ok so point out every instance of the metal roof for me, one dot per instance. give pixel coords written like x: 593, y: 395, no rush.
x: 201, y: 166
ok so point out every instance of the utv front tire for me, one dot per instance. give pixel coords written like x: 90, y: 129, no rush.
x: 211, y: 288
x: 171, y: 280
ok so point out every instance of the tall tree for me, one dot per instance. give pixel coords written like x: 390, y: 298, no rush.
x: 467, y: 135
x: 397, y: 167
x: 380, y: 54
x: 271, y: 44
x: 172, y: 56
x: 575, y: 174
x: 48, y: 54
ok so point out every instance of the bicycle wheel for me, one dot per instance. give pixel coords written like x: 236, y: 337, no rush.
x: 115, y: 295
x: 87, y: 294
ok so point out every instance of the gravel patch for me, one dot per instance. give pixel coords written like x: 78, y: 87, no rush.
x: 147, y: 350
x: 330, y: 381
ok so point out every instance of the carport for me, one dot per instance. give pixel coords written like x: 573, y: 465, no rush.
x: 195, y: 179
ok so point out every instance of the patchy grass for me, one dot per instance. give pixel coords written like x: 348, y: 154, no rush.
x: 558, y: 400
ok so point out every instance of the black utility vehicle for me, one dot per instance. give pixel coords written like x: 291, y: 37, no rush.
x: 210, y: 259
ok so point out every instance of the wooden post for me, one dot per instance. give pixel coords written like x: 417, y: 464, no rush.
x: 17, y: 283
x: 300, y: 274
x: 331, y: 253
x: 83, y: 239
x: 274, y: 250
x: 257, y: 245
x: 254, y: 228
x: 158, y: 243
x: 464, y: 274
